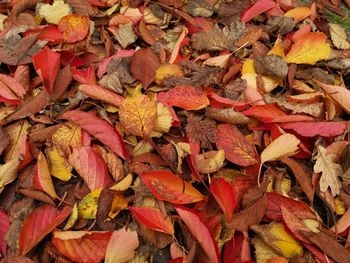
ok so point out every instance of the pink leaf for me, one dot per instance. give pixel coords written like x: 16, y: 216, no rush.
x: 200, y: 232
x: 90, y: 167
x: 311, y: 129
x: 4, y: 227
x: 47, y: 64
x: 258, y: 8
x: 100, y: 129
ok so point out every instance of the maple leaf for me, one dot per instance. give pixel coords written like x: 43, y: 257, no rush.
x: 325, y: 164
x: 203, y: 131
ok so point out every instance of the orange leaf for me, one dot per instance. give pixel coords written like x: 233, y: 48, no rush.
x: 38, y: 224
x: 224, y: 196
x: 338, y: 93
x: 99, y: 128
x: 74, y: 27
x: 126, y: 241
x: 200, y: 232
x: 102, y: 94
x: 47, y: 71
x: 309, y: 49
x: 169, y: 187
x: 153, y: 219
x: 90, y: 167
x: 82, y: 246
x: 42, y: 178
x: 237, y: 149
x: 138, y: 115
x: 186, y: 97
x: 299, y: 13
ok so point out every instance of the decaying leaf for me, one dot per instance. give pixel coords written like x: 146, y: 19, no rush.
x: 338, y: 35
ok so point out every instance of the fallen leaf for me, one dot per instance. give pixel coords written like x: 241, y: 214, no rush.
x: 90, y: 167
x: 4, y: 227
x: 169, y: 187
x: 200, y: 232
x: 224, y: 196
x: 8, y: 171
x: 39, y: 224
x: 309, y: 49
x: 144, y: 56
x: 299, y: 13
x: 338, y: 35
x: 99, y: 93
x: 47, y: 71
x: 229, y: 116
x: 42, y: 178
x: 126, y: 241
x: 138, y: 115
x: 125, y: 35
x: 153, y: 219
x: 338, y: 93
x: 87, y: 207
x: 210, y: 162
x: 311, y: 129
x: 238, y: 149
x: 53, y: 13
x: 186, y: 97
x: 99, y: 128
x: 256, y: 9
x: 78, y: 245
x: 58, y: 165
x: 68, y: 135
x: 330, y: 170
x: 74, y: 27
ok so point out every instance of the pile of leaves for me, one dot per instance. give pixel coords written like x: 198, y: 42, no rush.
x: 174, y: 131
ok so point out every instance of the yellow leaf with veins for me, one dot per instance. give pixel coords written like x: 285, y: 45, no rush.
x: 59, y: 166
x: 68, y: 135
x: 138, y: 115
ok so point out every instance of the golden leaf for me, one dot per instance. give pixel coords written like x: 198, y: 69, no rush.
x: 167, y: 70
x: 163, y: 122
x: 119, y: 203
x: 59, y: 166
x: 72, y: 218
x: 210, y: 162
x: 123, y: 184
x: 87, y: 207
x: 68, y: 135
x: 309, y: 49
x: 8, y: 172
x: 138, y: 115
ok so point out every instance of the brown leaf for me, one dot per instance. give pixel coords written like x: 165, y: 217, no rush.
x: 81, y: 7
x: 227, y: 116
x: 271, y: 65
x: 144, y: 64
x: 250, y: 216
x: 4, y: 140
x: 203, y: 131
x: 63, y: 79
x: 104, y: 207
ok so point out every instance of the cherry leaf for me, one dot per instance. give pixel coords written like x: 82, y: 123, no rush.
x: 224, y: 195
x: 4, y: 227
x: 258, y: 8
x: 102, y: 94
x: 74, y: 27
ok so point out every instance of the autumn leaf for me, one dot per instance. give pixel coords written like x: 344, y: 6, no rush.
x: 8, y: 171
x: 38, y: 224
x: 74, y: 27
x: 153, y: 219
x: 42, y: 178
x: 256, y: 9
x: 200, y: 232
x: 186, y: 97
x: 237, y: 149
x: 126, y: 241
x: 99, y: 128
x: 338, y: 36
x: 11, y: 90
x: 169, y: 187
x: 144, y: 56
x: 99, y: 93
x: 53, y: 13
x: 210, y: 162
x: 311, y: 129
x: 82, y: 246
x: 298, y: 13
x: 138, y: 115
x: 68, y: 135
x: 338, y: 93
x: 47, y: 71
x: 90, y: 167
x: 4, y: 227
x: 309, y: 49
x: 58, y: 165
x: 325, y: 164
x: 224, y: 195
x: 87, y: 207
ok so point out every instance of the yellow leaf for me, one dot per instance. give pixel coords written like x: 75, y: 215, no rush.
x: 8, y: 172
x: 163, y: 122
x: 87, y: 207
x: 138, y: 115
x: 309, y: 49
x: 248, y: 67
x: 2, y: 20
x: 59, y: 166
x: 299, y: 13
x: 275, y: 236
x: 339, y: 206
x: 142, y: 147
x: 167, y: 70
x: 284, y: 146
x: 68, y: 135
x: 72, y: 218
x: 263, y: 252
x: 123, y: 184
x: 119, y: 203
x: 269, y: 83
x: 53, y: 13
x: 210, y: 162
x: 277, y: 48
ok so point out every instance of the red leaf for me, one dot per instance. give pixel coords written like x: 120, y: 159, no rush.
x: 84, y: 76
x: 100, y: 129
x: 82, y: 246
x: 47, y: 64
x: 4, y: 227
x: 90, y: 167
x: 186, y: 97
x: 200, y: 232
x: 143, y: 66
x: 11, y: 91
x: 102, y: 94
x: 224, y: 195
x: 153, y: 219
x: 258, y: 8
x: 169, y: 187
x: 38, y: 224
x: 237, y: 250
x: 237, y: 148
x: 276, y: 201
x: 311, y: 129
